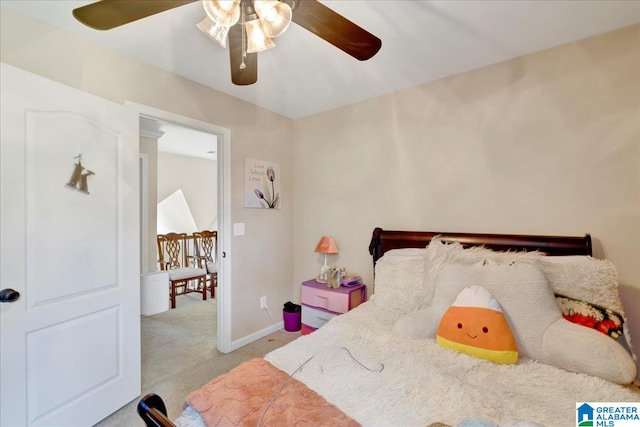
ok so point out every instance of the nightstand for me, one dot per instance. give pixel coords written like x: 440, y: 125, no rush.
x: 320, y: 303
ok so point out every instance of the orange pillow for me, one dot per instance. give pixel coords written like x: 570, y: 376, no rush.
x: 475, y: 324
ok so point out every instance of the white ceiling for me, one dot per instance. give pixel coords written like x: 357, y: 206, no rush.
x: 421, y: 41
x: 176, y: 139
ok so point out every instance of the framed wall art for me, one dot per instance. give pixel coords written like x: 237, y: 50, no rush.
x: 261, y: 184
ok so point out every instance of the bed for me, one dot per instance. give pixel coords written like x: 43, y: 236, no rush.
x: 384, y: 363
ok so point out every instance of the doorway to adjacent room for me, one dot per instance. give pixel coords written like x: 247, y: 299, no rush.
x: 217, y: 186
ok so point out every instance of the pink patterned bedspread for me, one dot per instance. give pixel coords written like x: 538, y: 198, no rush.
x: 257, y: 393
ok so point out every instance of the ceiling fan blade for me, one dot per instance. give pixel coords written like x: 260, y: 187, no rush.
x: 248, y: 75
x: 336, y: 29
x: 108, y: 14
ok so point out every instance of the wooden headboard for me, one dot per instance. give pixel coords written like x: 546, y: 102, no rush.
x: 384, y: 240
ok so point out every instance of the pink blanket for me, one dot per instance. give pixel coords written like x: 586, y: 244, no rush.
x: 257, y: 393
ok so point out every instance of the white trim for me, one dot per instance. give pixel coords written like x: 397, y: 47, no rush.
x: 144, y: 211
x: 223, y: 294
x: 150, y: 134
x: 257, y: 335
x: 224, y: 243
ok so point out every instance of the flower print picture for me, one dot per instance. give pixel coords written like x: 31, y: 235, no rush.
x: 262, y: 184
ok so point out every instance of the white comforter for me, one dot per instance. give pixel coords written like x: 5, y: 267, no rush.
x: 358, y: 364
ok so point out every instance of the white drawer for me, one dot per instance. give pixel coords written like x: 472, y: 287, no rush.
x: 315, y: 317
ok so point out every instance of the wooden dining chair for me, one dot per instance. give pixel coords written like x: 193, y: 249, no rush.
x: 206, y: 250
x: 173, y: 257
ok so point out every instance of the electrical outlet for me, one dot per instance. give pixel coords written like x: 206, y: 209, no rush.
x: 263, y: 302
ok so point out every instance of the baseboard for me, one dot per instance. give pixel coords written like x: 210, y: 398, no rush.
x: 257, y: 335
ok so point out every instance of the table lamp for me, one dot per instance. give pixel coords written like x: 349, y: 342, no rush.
x: 326, y: 245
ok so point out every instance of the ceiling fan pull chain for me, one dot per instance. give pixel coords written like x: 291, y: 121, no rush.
x: 244, y: 35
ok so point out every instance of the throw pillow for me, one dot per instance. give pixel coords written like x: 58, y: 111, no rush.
x: 584, y: 278
x: 475, y: 324
x: 399, y: 280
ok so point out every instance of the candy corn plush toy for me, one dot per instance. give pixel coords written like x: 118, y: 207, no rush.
x: 475, y: 324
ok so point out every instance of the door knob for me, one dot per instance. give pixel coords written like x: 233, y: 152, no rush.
x: 9, y: 295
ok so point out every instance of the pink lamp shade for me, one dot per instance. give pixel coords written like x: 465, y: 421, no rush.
x: 327, y: 245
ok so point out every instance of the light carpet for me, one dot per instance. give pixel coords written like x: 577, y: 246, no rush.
x: 179, y: 355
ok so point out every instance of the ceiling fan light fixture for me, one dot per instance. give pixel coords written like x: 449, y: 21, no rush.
x: 311, y: 15
x: 257, y: 40
x: 216, y: 32
x: 222, y: 12
x: 274, y: 15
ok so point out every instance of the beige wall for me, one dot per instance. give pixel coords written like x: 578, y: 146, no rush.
x: 257, y: 269
x: 548, y: 143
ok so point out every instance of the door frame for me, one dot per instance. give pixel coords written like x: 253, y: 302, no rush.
x: 223, y: 293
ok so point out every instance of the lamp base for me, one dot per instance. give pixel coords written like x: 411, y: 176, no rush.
x: 323, y: 276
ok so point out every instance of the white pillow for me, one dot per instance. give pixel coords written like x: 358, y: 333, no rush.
x: 584, y: 278
x: 398, y: 255
x: 399, y: 278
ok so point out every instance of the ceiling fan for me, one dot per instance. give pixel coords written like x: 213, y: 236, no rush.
x: 247, y: 25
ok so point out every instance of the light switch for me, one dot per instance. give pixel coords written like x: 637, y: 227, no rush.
x: 238, y: 229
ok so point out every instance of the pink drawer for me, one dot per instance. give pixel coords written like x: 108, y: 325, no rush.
x: 339, y: 300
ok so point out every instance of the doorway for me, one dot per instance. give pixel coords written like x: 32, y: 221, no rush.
x: 181, y: 179
x: 223, y: 162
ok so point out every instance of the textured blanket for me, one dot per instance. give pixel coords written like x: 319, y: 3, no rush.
x: 381, y: 379
x: 256, y: 393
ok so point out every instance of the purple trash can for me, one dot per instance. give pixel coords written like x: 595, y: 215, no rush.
x: 291, y: 315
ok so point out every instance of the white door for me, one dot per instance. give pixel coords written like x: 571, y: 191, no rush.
x: 70, y: 345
